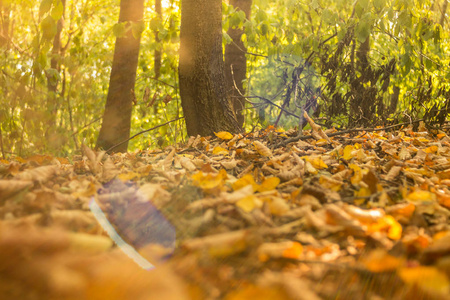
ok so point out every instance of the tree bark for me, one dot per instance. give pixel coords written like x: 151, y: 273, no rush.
x: 117, y: 117
x: 236, y: 62
x: 206, y: 105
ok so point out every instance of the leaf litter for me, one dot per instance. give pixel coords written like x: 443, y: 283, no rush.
x: 361, y: 215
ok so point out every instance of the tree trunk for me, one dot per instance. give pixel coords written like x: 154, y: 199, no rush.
x: 236, y: 62
x: 5, y: 14
x: 443, y: 12
x: 52, y: 78
x: 206, y: 106
x: 117, y: 117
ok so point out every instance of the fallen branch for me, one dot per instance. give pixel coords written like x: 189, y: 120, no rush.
x: 141, y: 132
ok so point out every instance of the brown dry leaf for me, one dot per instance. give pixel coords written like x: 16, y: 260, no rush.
x: 262, y: 149
x: 317, y: 131
x: 94, y: 159
x: 287, y: 249
x: 155, y: 193
x: 109, y: 170
x: 39, y: 174
x: 220, y: 245
x: 9, y: 188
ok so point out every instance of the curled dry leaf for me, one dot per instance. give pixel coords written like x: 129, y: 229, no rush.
x: 94, y: 160
x: 187, y: 164
x: 262, y: 149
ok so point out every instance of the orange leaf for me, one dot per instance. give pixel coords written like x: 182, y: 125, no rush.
x: 224, y: 135
x: 249, y: 203
x: 220, y: 150
x: 380, y: 261
x: 245, y: 180
x: 427, y: 278
x: 269, y: 184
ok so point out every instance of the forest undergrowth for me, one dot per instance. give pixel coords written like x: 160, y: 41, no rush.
x: 263, y: 215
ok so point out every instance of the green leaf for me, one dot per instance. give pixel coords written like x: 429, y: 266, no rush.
x: 379, y: 4
x: 264, y: 29
x: 226, y: 38
x: 362, y: 30
x: 45, y: 7
x: 48, y: 27
x: 119, y: 29
x: 328, y: 17
x: 154, y: 24
x: 58, y: 10
x: 53, y: 76
x: 261, y: 16
x: 137, y: 28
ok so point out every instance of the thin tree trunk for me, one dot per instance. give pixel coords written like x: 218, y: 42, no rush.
x: 206, y: 106
x: 236, y: 62
x: 117, y: 117
x: 157, y: 62
x: 443, y: 11
x: 52, y: 82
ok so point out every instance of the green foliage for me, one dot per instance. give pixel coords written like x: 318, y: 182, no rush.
x: 298, y: 51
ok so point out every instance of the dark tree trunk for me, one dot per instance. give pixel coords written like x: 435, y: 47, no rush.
x: 236, y: 62
x: 117, y: 117
x: 206, y: 106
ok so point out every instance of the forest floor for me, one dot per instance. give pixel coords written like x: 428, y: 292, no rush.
x: 264, y: 215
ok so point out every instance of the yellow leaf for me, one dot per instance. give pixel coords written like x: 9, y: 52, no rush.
x: 262, y: 149
x: 220, y: 150
x: 224, y: 135
x: 362, y: 193
x: 128, y: 176
x: 421, y: 196
x: 427, y: 278
x: 358, y: 173
x: 269, y: 184
x: 348, y: 152
x: 245, y: 180
x: 249, y: 203
x: 209, y: 181
x: 388, y: 225
x: 380, y: 261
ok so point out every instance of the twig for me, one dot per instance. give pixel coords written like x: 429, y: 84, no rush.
x: 87, y: 125
x: 141, y: 132
x: 1, y: 144
x: 305, y: 137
